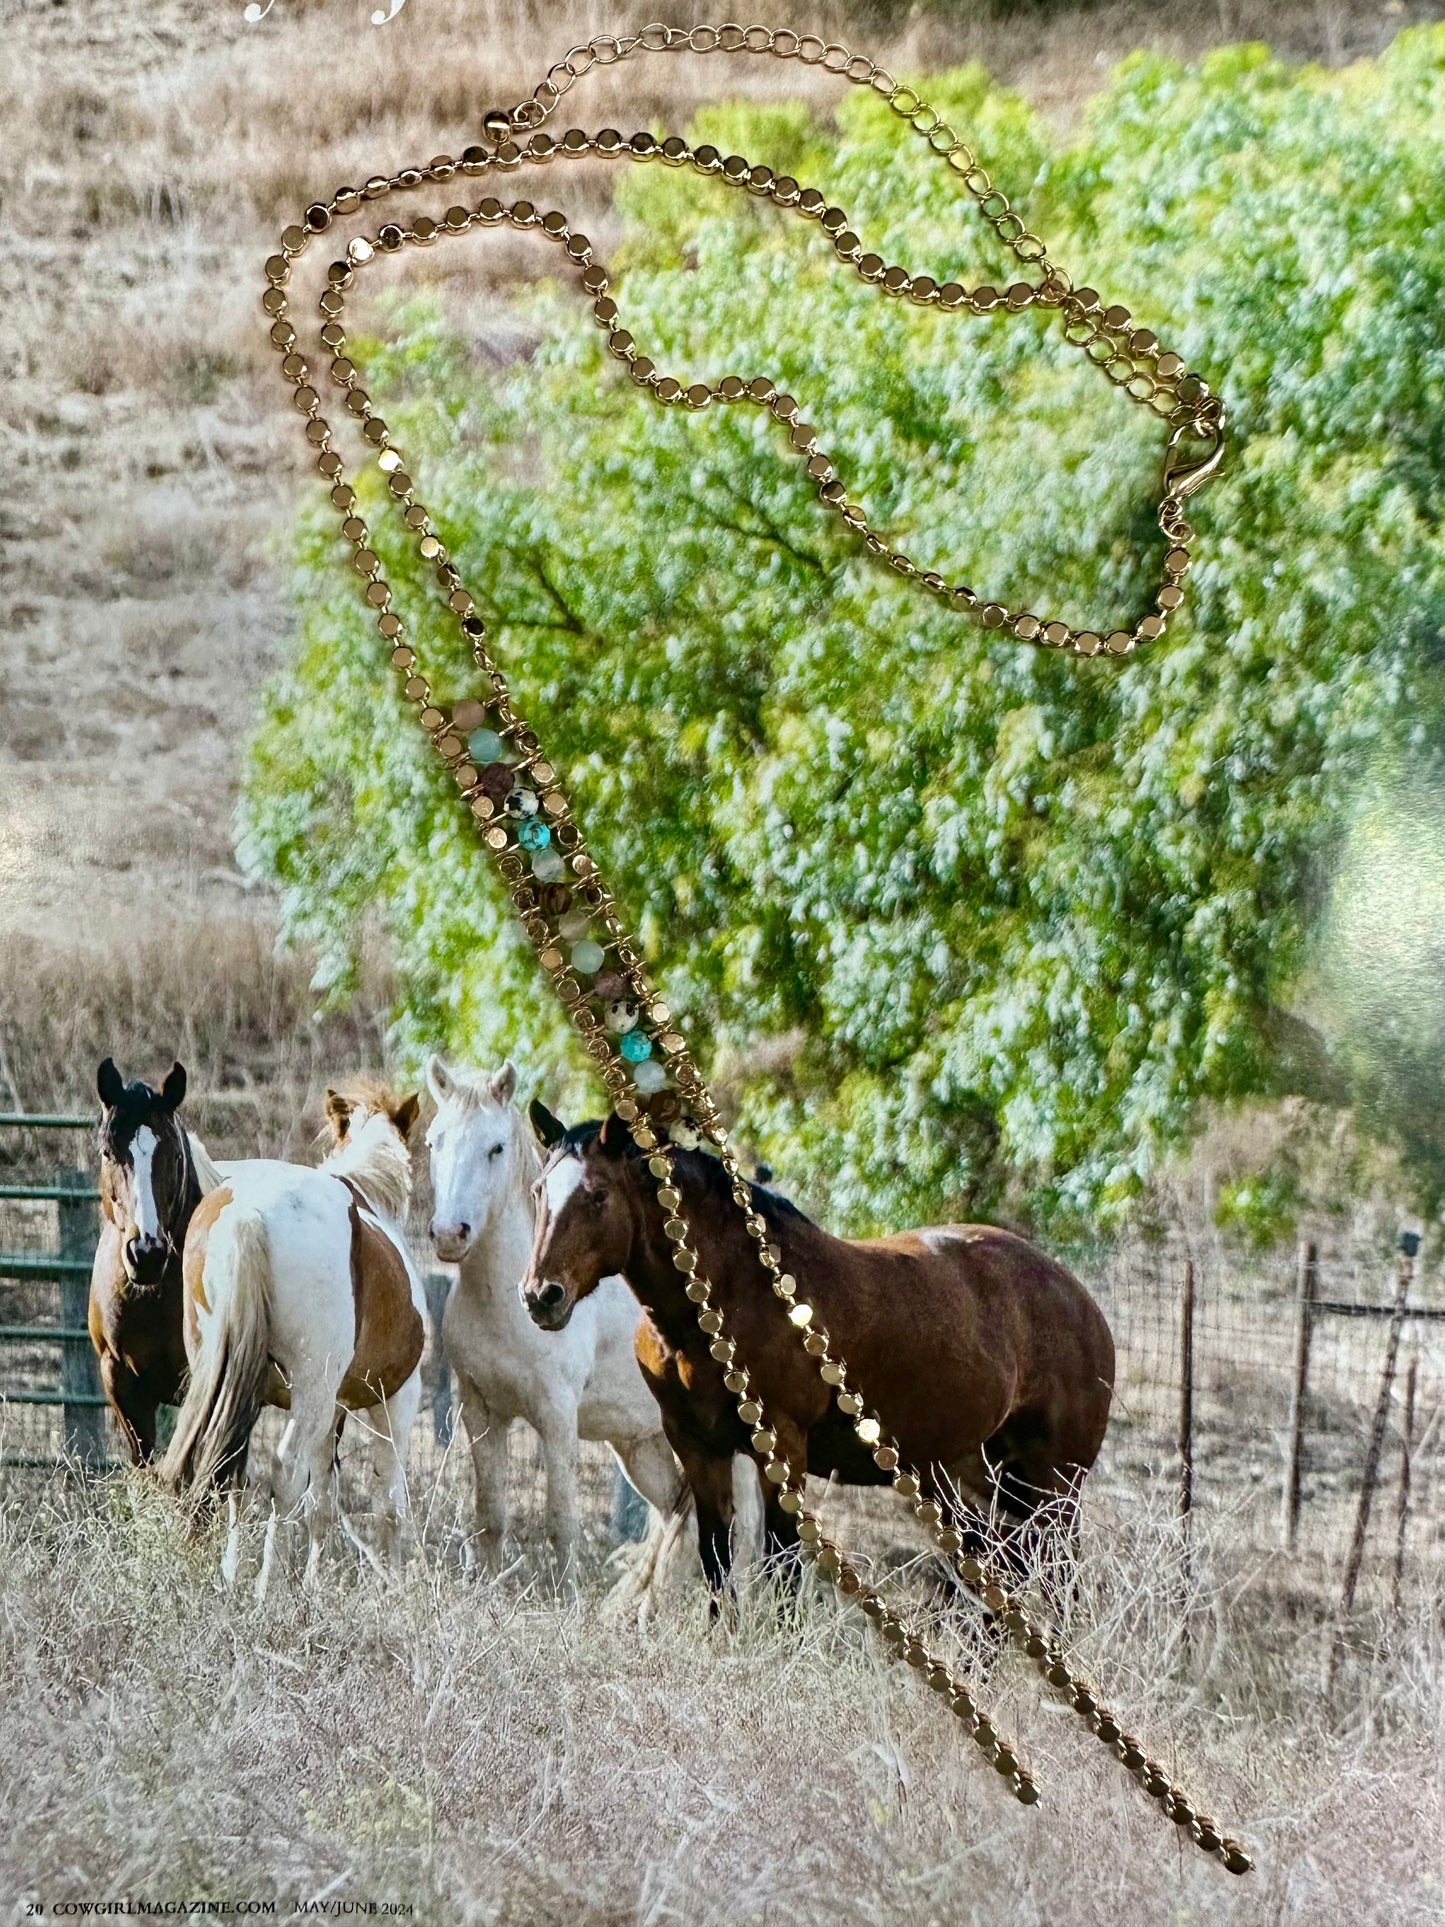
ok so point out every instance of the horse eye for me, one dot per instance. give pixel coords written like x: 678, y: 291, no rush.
x: 496, y: 1151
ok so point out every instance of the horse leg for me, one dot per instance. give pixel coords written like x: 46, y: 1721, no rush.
x: 557, y: 1429
x: 321, y: 1499
x: 391, y: 1426
x: 747, y: 1509
x: 1042, y: 1542
x: 650, y: 1465
x: 135, y: 1413
x: 306, y: 1466
x: 782, y: 1558
x: 487, y: 1437
x: 711, y: 1480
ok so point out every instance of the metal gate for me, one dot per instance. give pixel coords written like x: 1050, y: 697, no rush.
x: 48, y: 1232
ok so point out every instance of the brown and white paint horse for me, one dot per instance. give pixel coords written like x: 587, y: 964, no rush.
x: 153, y: 1174
x: 299, y: 1292
x: 987, y: 1361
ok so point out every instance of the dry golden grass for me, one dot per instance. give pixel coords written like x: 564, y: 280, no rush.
x: 490, y: 1755
x: 214, y: 995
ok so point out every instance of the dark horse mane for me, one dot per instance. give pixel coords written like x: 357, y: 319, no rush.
x: 701, y: 1169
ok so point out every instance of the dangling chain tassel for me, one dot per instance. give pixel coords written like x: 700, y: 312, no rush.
x: 525, y: 819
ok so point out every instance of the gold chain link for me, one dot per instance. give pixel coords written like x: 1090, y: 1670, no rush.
x: 1131, y: 358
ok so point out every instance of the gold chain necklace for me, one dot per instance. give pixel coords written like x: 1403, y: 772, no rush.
x: 524, y: 817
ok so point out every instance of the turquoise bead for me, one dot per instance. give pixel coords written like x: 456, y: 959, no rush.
x: 587, y: 957
x: 635, y: 1046
x: 533, y: 835
x: 485, y: 746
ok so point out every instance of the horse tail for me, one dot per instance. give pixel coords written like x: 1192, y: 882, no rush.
x: 228, y: 1373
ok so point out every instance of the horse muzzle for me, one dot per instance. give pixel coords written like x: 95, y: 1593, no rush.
x: 548, y: 1304
x: 451, y: 1242
x: 144, y: 1258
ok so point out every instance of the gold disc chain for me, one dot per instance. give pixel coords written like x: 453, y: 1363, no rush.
x: 525, y: 819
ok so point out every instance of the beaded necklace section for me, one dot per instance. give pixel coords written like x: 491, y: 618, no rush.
x: 523, y: 815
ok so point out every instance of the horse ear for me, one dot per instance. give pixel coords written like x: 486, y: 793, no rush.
x: 174, y: 1088
x: 405, y: 1114
x: 109, y: 1084
x: 613, y: 1136
x: 550, y: 1130
x: 504, y: 1084
x: 438, y: 1077
x: 338, y: 1114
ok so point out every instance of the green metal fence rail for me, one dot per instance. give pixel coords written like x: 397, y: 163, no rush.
x: 78, y: 1393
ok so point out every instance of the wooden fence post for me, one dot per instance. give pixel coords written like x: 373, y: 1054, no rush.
x: 83, y: 1417
x: 1186, y: 1396
x: 437, y: 1286
x: 1402, y: 1501
x: 1307, y: 1293
x: 1186, y: 1423
x: 1409, y: 1245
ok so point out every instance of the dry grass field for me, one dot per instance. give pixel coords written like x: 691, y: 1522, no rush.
x: 488, y: 1754
x: 484, y: 1753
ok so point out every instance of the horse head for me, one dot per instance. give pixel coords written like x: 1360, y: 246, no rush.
x: 349, y: 1111
x: 480, y: 1151
x: 370, y: 1127
x: 147, y: 1180
x: 588, y: 1204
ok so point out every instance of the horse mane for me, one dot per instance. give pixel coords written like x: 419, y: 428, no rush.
x: 208, y: 1173
x: 703, y: 1172
x: 375, y: 1159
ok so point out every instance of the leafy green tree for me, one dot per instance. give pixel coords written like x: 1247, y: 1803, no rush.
x: 945, y: 914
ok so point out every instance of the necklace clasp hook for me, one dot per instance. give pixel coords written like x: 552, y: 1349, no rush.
x: 1183, y: 476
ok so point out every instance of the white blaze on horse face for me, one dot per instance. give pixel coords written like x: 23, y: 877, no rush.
x: 562, y: 1180
x: 557, y: 1186
x: 142, y: 1183
x: 472, y: 1172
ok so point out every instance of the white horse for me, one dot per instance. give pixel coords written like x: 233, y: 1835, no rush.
x: 299, y: 1291
x: 580, y: 1383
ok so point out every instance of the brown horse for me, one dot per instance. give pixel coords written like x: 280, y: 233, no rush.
x: 152, y: 1177
x: 987, y: 1361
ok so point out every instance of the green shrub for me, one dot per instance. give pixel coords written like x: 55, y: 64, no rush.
x: 944, y: 912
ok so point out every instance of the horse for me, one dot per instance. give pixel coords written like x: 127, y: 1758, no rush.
x: 299, y: 1292
x: 583, y: 1383
x: 153, y: 1175
x: 986, y: 1360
